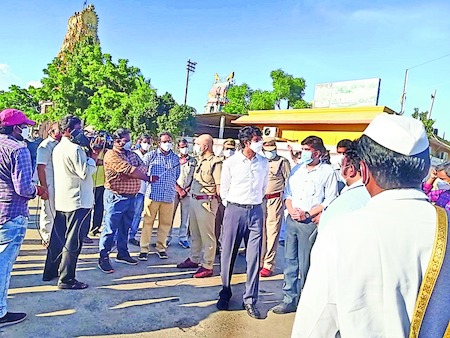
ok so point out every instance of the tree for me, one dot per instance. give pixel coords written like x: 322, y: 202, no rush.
x: 239, y: 98
x: 22, y: 99
x: 261, y: 100
x: 423, y: 116
x: 289, y: 88
x: 179, y: 121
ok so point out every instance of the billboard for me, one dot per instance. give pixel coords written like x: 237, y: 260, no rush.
x: 356, y: 93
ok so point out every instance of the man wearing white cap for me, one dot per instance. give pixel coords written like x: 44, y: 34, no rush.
x: 366, y: 269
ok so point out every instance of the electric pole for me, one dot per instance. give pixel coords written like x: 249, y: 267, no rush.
x: 190, y: 68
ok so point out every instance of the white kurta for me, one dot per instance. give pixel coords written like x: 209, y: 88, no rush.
x: 367, y: 267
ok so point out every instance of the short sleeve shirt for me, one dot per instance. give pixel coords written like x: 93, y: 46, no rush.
x: 44, y: 156
x: 207, y: 176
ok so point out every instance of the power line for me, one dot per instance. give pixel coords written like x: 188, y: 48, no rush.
x: 441, y: 57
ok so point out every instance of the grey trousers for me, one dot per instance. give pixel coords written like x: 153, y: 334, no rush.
x: 239, y: 222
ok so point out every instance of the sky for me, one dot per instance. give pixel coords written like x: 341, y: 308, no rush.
x: 319, y: 40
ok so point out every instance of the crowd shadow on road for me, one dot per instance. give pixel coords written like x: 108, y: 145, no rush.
x: 149, y: 297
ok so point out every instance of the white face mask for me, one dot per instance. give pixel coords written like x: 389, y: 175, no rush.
x: 270, y: 155
x: 167, y: 146
x: 127, y: 145
x: 197, y: 150
x: 256, y: 146
x: 228, y: 152
x: 25, y: 133
x: 442, y: 185
x: 145, y: 146
x: 183, y: 151
x: 337, y: 160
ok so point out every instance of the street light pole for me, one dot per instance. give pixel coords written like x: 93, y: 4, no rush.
x: 190, y: 68
x: 404, y: 94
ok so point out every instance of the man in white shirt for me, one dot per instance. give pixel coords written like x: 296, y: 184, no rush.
x: 311, y: 187
x: 74, y: 199
x: 367, y: 267
x: 144, y: 147
x: 46, y: 178
x: 243, y: 185
x: 353, y: 196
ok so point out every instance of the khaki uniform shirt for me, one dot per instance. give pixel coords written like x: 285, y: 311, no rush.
x: 279, y: 169
x: 206, y: 176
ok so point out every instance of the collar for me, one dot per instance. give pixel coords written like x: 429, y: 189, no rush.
x: 357, y: 184
x: 243, y: 158
x: 158, y: 150
x: 397, y: 195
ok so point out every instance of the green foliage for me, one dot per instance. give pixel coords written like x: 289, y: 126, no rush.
x: 179, y: 120
x: 289, y: 88
x: 285, y: 88
x: 22, y: 99
x: 239, y: 98
x: 261, y: 100
x: 428, y: 123
x: 105, y: 94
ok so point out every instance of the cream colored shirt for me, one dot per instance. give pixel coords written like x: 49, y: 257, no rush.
x: 74, y: 187
x: 279, y: 169
x: 367, y: 268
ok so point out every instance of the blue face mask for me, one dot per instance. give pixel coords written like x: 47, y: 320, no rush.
x: 306, y: 156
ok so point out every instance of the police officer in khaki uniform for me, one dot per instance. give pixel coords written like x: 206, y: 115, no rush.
x: 279, y: 169
x: 203, y: 208
x: 229, y: 147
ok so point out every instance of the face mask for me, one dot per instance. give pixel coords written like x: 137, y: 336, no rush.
x: 127, y: 146
x: 183, y: 151
x: 270, y: 155
x: 307, y: 156
x: 78, y: 137
x: 57, y: 137
x: 197, y: 150
x: 337, y: 160
x: 256, y: 146
x: 167, y: 146
x: 442, y: 185
x: 144, y: 146
x: 228, y: 152
x: 24, y: 132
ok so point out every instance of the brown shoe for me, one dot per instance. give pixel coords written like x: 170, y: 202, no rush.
x: 187, y: 264
x: 202, y: 273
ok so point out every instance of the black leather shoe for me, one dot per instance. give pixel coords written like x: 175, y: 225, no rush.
x: 252, y: 311
x: 222, y: 304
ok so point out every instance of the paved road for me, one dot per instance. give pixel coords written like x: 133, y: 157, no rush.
x: 152, y: 299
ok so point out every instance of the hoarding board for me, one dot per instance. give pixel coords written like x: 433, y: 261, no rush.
x: 356, y: 93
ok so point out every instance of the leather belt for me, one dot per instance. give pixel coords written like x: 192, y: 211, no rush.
x: 204, y: 197
x: 275, y: 195
x: 246, y: 206
x: 128, y: 195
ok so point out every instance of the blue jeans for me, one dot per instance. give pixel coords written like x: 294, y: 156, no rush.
x: 119, y: 213
x: 138, y: 207
x: 12, y: 234
x: 300, y: 238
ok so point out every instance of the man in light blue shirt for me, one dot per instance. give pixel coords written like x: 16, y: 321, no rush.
x: 311, y: 187
x: 354, y: 195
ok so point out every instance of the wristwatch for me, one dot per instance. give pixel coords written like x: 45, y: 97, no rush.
x: 307, y: 215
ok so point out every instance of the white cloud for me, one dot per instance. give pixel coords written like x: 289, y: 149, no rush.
x: 34, y: 83
x: 7, y: 78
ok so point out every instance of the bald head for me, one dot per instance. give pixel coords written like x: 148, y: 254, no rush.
x: 205, y: 141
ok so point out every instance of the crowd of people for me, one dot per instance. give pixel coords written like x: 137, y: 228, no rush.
x: 358, y: 233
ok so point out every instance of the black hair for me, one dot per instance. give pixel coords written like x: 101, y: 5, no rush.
x: 183, y: 141
x: 120, y: 133
x: 247, y: 133
x: 390, y: 169
x: 316, y: 143
x: 345, y: 143
x: 145, y: 136
x: 164, y: 133
x: 68, y: 122
x: 352, y: 156
x: 6, y: 130
x: 444, y: 167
